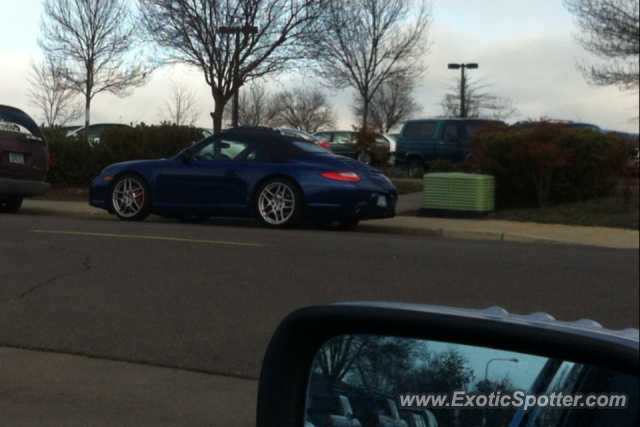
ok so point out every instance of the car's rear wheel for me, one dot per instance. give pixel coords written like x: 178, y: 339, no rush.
x: 10, y: 205
x: 365, y: 157
x: 342, y: 225
x: 416, y: 169
x: 278, y: 204
x: 130, y: 198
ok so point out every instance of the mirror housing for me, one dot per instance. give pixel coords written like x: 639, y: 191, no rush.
x: 289, y: 358
x: 183, y: 155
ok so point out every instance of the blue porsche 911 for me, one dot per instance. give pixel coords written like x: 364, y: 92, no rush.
x: 280, y: 180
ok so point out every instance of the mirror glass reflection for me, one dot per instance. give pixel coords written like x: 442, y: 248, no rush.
x: 374, y: 381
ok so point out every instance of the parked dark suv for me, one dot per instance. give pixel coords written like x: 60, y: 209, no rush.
x: 422, y: 141
x: 24, y: 159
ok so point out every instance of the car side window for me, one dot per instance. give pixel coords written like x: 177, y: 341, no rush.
x: 326, y: 137
x: 420, y: 130
x: 451, y: 133
x: 220, y: 150
x: 342, y: 138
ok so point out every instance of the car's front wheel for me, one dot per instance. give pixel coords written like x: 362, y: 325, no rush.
x: 415, y: 169
x: 10, y: 205
x: 130, y: 198
x: 278, y: 204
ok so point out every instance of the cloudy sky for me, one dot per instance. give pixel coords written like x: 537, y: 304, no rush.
x: 525, y: 49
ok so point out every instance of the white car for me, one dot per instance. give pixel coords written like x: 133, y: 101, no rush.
x: 95, y: 130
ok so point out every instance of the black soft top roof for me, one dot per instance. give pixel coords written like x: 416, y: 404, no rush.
x: 275, y: 145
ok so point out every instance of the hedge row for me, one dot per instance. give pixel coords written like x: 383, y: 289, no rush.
x: 549, y: 163
x: 75, y: 161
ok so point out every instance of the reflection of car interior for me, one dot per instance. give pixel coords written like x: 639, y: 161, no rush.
x: 376, y: 412
x: 418, y: 418
x: 331, y: 410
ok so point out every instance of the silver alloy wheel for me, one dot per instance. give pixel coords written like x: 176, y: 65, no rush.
x: 128, y: 197
x: 277, y: 203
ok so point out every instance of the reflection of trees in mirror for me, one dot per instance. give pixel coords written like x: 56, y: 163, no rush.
x: 372, y: 370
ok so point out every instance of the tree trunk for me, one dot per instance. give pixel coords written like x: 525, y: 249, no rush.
x: 217, y: 113
x: 87, y: 116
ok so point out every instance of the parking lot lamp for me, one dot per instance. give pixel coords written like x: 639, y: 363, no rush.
x: 463, y: 85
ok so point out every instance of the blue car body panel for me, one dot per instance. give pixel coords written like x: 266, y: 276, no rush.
x: 227, y: 188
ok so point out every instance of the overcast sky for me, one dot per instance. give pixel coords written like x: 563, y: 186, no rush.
x: 525, y: 49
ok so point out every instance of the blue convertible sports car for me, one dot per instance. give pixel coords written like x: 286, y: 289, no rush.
x: 280, y: 180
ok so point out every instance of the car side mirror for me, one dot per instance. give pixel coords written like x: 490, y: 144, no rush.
x: 184, y: 156
x: 378, y: 355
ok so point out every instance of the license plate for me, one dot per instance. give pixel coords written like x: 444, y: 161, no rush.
x: 382, y: 201
x: 16, y: 158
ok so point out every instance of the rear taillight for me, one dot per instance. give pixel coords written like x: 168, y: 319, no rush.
x: 342, y: 176
x: 330, y: 422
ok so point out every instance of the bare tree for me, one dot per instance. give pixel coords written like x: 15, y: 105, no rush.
x: 188, y: 31
x: 478, y: 102
x: 182, y: 109
x: 611, y: 30
x: 365, y: 43
x: 256, y: 107
x: 305, y: 109
x: 58, y: 104
x: 93, y: 38
x: 390, y: 106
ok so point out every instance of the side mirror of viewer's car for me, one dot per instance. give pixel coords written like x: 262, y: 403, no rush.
x: 453, y: 367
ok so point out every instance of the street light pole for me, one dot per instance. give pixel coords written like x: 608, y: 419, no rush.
x: 463, y: 85
x: 246, y: 30
x: 486, y: 378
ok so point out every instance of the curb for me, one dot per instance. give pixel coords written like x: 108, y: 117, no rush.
x: 463, y: 235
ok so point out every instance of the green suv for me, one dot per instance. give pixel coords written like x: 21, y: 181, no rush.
x: 422, y: 141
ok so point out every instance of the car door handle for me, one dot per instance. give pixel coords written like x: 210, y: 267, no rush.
x: 231, y: 172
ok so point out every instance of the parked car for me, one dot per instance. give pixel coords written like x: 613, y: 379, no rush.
x: 392, y: 138
x: 418, y: 417
x: 277, y: 179
x: 69, y: 129
x: 343, y: 144
x: 376, y: 412
x: 422, y: 141
x: 95, y: 130
x: 331, y: 410
x: 305, y: 135
x: 24, y: 159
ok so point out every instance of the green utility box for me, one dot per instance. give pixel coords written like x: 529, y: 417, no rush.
x: 458, y: 195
